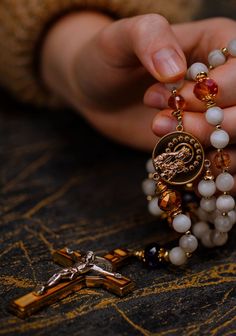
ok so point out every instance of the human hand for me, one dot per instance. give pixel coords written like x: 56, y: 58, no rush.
x: 103, y: 68
x: 197, y: 39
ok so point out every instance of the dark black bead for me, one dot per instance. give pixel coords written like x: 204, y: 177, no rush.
x: 189, y: 198
x: 151, y: 255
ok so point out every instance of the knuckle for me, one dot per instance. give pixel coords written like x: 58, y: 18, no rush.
x: 224, y: 28
x: 224, y: 22
x: 150, y: 22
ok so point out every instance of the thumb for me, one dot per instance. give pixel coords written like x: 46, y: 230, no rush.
x: 150, y: 39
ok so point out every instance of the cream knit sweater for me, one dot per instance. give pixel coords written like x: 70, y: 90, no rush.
x: 23, y: 24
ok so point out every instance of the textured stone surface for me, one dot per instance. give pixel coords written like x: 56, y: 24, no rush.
x: 63, y: 184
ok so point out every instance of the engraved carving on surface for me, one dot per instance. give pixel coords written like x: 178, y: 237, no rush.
x: 172, y: 163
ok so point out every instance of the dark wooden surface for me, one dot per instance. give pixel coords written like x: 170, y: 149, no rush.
x: 62, y: 184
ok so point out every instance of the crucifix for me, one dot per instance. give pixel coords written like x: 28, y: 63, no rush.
x: 81, y: 270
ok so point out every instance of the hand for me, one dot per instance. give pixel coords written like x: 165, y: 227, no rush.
x: 102, y: 68
x: 197, y: 39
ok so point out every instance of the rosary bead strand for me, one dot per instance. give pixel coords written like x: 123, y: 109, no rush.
x: 219, y: 139
x: 218, y: 211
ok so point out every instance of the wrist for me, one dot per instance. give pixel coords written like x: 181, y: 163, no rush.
x: 64, y: 41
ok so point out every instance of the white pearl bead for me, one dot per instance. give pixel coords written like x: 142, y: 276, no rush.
x: 225, y: 203
x: 206, y: 240
x: 175, y: 86
x: 224, y: 182
x: 188, y: 75
x: 188, y: 243
x: 149, y: 166
x: 181, y: 223
x: 232, y: 216
x: 177, y: 256
x: 149, y: 187
x: 219, y: 238
x: 216, y: 58
x: 223, y: 223
x: 196, y: 68
x: 232, y: 48
x: 208, y: 204
x: 200, y: 229
x: 214, y: 115
x: 154, y: 208
x: 206, y: 188
x: 219, y: 139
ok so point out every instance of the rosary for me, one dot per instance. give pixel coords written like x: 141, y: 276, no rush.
x: 177, y: 162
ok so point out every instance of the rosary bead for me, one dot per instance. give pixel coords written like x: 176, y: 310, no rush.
x: 169, y: 200
x: 216, y: 58
x: 225, y: 203
x: 200, y: 229
x: 176, y: 102
x: 206, y: 89
x: 181, y: 223
x: 223, y: 223
x: 206, y: 240
x: 197, y: 68
x: 219, y: 139
x: 151, y: 255
x: 232, y: 48
x: 188, y: 243
x: 222, y: 160
x: 177, y: 256
x: 212, y: 215
x: 206, y: 188
x: 154, y: 208
x: 214, y: 115
x: 219, y: 238
x: 149, y: 187
x: 208, y: 204
x: 224, y: 182
x: 149, y: 166
x: 232, y: 216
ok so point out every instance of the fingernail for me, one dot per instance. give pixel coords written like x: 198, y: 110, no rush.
x: 168, y: 63
x: 162, y: 125
x: 155, y: 99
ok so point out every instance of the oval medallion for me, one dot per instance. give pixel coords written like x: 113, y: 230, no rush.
x: 178, y: 158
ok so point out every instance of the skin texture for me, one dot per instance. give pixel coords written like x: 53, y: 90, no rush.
x: 113, y: 74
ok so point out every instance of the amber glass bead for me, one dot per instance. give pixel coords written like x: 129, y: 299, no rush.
x: 222, y: 160
x: 206, y: 89
x: 169, y: 200
x: 176, y: 102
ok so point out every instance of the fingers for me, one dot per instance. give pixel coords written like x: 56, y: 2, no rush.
x: 157, y: 95
x: 130, y: 126
x: 195, y: 123
x: 204, y: 36
x: 197, y: 44
x: 150, y: 40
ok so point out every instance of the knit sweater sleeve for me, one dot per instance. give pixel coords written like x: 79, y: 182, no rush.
x: 25, y: 22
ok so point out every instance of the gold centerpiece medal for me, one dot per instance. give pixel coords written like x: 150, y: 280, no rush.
x: 178, y: 157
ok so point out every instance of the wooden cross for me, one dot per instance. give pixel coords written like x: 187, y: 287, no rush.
x: 116, y: 283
